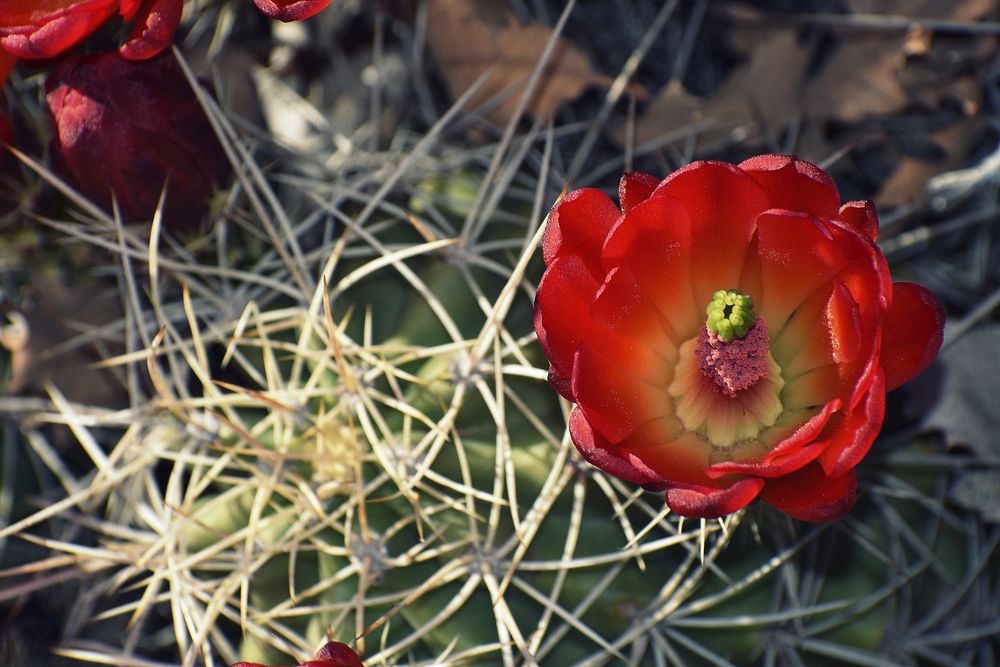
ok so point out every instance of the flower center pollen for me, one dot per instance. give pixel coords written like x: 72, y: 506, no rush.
x: 726, y: 385
x: 733, y: 346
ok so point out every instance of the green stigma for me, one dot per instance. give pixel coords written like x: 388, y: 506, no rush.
x: 730, y: 314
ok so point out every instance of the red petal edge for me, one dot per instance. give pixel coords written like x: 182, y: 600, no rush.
x: 579, y: 224
x: 912, y: 333
x: 707, y: 503
x: 153, y: 30
x: 286, y: 11
x: 860, y: 216
x: 342, y: 655
x: 794, y: 184
x: 589, y: 443
x: 635, y: 188
x: 809, y: 495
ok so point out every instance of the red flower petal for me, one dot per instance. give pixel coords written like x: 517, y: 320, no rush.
x: 809, y: 495
x: 723, y: 204
x: 290, y: 10
x: 339, y: 655
x: 843, y: 321
x: 776, y: 466
x: 851, y: 435
x: 794, y: 184
x: 798, y: 255
x: 860, y: 216
x: 635, y: 188
x: 578, y: 225
x: 804, y: 434
x: 27, y: 32
x: 664, y: 447
x: 866, y: 278
x: 615, y: 402
x: 620, y: 306
x: 127, y: 128
x: 709, y: 503
x: 912, y: 334
x: 154, y: 29
x: 653, y: 240
x: 562, y: 307
x: 333, y: 654
x: 597, y: 451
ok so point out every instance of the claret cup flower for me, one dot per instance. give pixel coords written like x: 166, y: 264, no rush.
x: 333, y: 654
x: 46, y: 28
x: 728, y: 334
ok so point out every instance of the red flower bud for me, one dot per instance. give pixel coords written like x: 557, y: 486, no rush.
x: 728, y: 334
x: 46, y: 28
x: 334, y: 654
x: 290, y: 10
x: 127, y: 129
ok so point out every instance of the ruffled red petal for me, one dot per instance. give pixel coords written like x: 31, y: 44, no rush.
x: 860, y: 216
x: 797, y: 256
x: 338, y: 655
x: 849, y: 436
x: 722, y: 203
x: 709, y: 503
x: 291, y: 10
x: 843, y: 321
x: 809, y: 495
x: 635, y: 188
x: 654, y: 242
x: 26, y: 36
x: 578, y: 225
x: 794, y: 184
x: 912, y: 335
x: 804, y: 434
x: 614, y: 400
x: 153, y: 30
x: 562, y: 307
x: 621, y: 307
x: 597, y: 451
x: 866, y: 278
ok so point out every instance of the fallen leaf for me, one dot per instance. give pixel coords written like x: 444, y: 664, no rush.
x: 868, y: 74
x: 957, y: 397
x: 764, y: 93
x: 469, y: 37
x: 908, y: 183
x: 872, y: 74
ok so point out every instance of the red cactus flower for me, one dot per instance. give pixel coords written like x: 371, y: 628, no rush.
x: 334, y: 654
x: 291, y: 10
x: 728, y: 334
x: 127, y: 128
x: 46, y: 28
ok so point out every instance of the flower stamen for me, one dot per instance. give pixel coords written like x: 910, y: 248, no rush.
x: 737, y: 364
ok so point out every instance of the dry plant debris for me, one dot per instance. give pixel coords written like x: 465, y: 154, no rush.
x: 872, y: 74
x: 470, y: 38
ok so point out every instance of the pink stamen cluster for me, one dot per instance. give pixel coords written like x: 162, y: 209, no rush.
x: 735, y: 365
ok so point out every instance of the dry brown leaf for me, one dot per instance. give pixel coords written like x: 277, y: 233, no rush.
x: 765, y: 91
x: 908, y: 184
x: 468, y: 37
x: 952, y: 10
x: 866, y: 76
